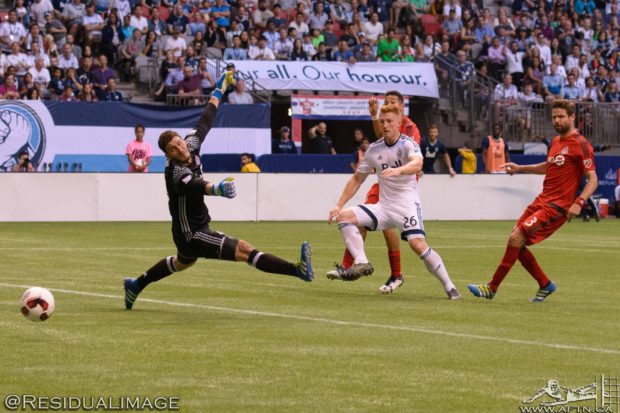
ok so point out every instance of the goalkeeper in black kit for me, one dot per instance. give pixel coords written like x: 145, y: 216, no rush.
x: 190, y: 217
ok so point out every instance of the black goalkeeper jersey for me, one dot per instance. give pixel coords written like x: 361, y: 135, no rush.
x: 186, y: 186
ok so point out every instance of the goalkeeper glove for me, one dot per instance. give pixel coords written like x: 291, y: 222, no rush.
x: 225, y: 80
x: 225, y: 188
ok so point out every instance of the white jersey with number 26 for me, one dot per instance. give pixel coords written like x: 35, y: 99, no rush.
x: 379, y: 156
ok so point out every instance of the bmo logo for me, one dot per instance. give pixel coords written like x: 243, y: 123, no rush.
x: 558, y: 160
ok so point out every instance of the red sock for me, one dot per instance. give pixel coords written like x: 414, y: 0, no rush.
x: 508, y: 260
x: 394, y: 257
x: 531, y: 265
x: 347, y: 259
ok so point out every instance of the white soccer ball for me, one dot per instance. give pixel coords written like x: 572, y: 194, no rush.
x: 139, y: 162
x: 37, y: 304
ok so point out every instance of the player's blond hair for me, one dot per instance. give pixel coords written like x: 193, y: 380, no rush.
x: 391, y: 108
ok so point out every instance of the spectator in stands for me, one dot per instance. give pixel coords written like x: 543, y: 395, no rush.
x: 247, y: 164
x: 101, y: 76
x: 262, y: 52
x: 68, y: 95
x: 138, y: 21
x: 271, y: 35
x: 190, y: 85
x: 73, y: 16
x: 323, y: 54
x: 506, y: 93
x: 127, y: 28
x: 18, y: 60
x: 277, y: 19
x: 72, y: 80
x: 40, y: 74
x: 528, y: 95
x: 111, y: 38
x: 139, y: 153
x: 34, y: 37
x: 261, y: 15
x: 111, y: 94
x: 534, y: 75
x: 93, y: 24
x: 298, y: 53
x: 470, y: 160
x: 514, y: 60
x: 284, y: 144
x: 308, y: 46
x: 207, y: 84
x: 299, y: 24
x: 235, y: 52
x: 494, y: 151
x: 87, y: 94
x: 350, y: 36
x: 26, y: 85
x: 553, y: 82
x: 123, y: 8
x: 319, y: 141
x: 419, y: 55
x: 152, y: 46
x: 131, y: 49
x: 38, y: 10
x: 570, y: 91
x: 338, y: 13
x: 85, y: 72
x: 452, y: 25
x: 443, y: 63
x: 215, y: 36
x: 9, y: 89
x: 56, y: 86
x: 23, y: 163
x: 387, y: 48
x: 329, y: 37
x: 432, y: 48
x: 35, y: 53
x: 156, y: 23
x: 239, y: 96
x: 176, y: 43
x: 318, y: 19
x: 373, y: 28
x: 283, y: 46
x: 365, y: 54
x: 177, y: 20
x: 496, y: 58
x: 55, y: 28
x: 612, y: 94
x: 12, y: 31
x: 592, y: 92
x: 235, y: 30
x: 432, y: 149
x: 359, y: 153
x: 343, y: 54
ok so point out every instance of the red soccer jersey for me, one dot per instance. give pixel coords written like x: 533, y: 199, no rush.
x: 410, y: 129
x: 568, y: 159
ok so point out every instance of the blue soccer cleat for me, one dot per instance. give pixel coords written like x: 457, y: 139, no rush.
x: 304, y: 267
x: 131, y: 292
x: 481, y: 291
x: 543, y: 293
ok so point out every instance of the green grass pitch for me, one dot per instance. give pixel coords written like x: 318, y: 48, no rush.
x: 225, y: 337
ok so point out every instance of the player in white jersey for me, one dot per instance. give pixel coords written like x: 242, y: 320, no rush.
x: 396, y: 159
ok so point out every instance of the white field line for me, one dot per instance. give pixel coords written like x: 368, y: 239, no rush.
x: 413, y: 329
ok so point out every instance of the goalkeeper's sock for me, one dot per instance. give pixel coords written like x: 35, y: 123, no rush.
x: 434, y: 264
x: 271, y: 263
x: 162, y: 269
x: 347, y: 259
x: 394, y: 257
x: 508, y: 260
x: 354, y: 241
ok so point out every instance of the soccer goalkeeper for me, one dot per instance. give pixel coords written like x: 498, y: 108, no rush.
x: 190, y: 216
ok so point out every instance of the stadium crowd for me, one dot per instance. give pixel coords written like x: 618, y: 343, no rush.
x: 57, y: 48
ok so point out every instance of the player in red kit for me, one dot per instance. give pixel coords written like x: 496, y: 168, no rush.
x: 570, y: 157
x: 409, y: 128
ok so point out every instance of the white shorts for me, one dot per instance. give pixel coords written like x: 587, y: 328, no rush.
x: 377, y: 217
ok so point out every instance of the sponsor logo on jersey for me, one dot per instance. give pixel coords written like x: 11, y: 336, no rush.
x: 558, y: 160
x: 587, y: 163
x: 21, y: 130
x: 564, y: 151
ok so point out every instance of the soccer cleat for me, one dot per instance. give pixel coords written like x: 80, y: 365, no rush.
x: 391, y: 284
x: 358, y: 270
x: 304, y: 267
x: 336, y: 274
x: 481, y: 291
x: 454, y: 294
x: 131, y: 292
x: 543, y: 293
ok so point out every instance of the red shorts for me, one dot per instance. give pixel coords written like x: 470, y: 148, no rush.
x: 372, y: 197
x: 539, y: 221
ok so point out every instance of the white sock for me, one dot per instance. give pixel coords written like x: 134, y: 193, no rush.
x: 434, y: 264
x: 354, y: 241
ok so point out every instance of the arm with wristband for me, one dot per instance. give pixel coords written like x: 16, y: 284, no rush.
x: 587, y: 192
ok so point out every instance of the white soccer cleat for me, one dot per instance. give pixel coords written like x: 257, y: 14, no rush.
x: 392, y: 284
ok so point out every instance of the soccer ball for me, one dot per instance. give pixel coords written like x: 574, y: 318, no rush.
x: 37, y: 304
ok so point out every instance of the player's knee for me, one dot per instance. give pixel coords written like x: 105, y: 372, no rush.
x: 182, y: 263
x: 346, y: 216
x: 243, y: 250
x: 516, y: 239
x: 418, y: 245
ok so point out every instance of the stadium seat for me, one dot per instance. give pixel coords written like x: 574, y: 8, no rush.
x: 431, y: 24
